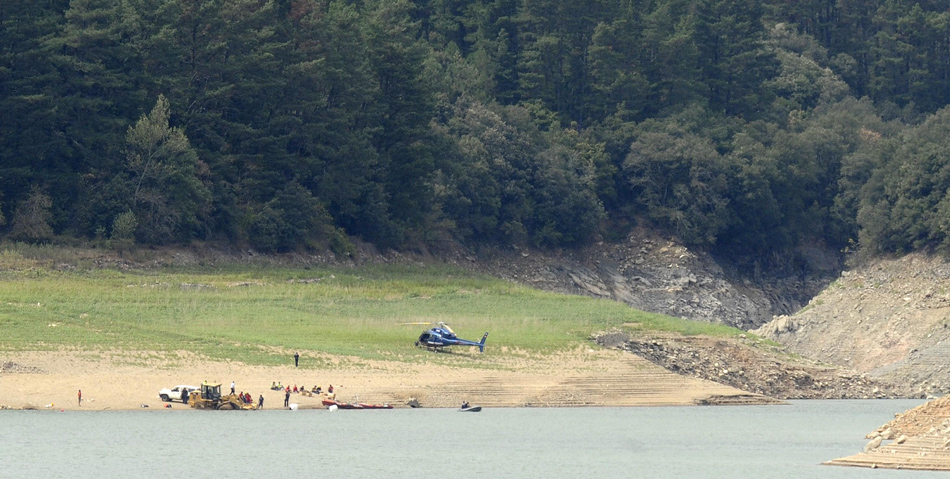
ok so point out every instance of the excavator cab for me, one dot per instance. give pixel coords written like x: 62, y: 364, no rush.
x: 207, y: 397
x: 211, y: 392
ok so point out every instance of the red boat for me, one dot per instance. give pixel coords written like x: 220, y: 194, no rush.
x: 345, y: 405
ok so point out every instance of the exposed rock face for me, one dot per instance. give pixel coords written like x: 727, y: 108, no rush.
x: 890, y: 319
x: 658, y: 275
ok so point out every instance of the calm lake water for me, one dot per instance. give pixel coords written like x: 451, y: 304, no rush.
x: 665, y: 442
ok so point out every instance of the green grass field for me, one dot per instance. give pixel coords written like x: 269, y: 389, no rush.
x: 257, y: 313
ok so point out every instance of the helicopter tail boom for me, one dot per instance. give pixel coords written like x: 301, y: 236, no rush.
x: 481, y: 344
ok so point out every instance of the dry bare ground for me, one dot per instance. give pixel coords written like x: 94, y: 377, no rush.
x: 114, y: 380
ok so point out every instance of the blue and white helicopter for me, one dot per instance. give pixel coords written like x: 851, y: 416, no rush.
x: 442, y: 336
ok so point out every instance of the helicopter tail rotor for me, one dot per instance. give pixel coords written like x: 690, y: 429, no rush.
x: 481, y: 344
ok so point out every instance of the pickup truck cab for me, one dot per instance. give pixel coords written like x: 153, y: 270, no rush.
x: 174, y: 394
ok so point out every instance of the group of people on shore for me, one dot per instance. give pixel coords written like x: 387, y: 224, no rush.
x: 288, y: 390
x: 277, y: 386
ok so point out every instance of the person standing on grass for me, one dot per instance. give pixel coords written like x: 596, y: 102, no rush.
x: 296, y: 359
x: 80, y: 397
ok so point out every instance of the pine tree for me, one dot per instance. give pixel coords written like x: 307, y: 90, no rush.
x: 332, y: 115
x: 32, y: 148
x: 406, y: 107
x: 32, y: 216
x: 735, y: 64
x: 170, y: 202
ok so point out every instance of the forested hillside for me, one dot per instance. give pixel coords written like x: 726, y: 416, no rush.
x: 747, y: 127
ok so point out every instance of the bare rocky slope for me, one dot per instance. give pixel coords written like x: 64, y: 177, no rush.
x: 657, y: 274
x: 889, y: 318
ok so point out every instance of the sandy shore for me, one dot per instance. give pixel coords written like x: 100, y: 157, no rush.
x: 132, y: 380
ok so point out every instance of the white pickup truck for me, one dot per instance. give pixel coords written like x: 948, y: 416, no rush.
x: 169, y: 395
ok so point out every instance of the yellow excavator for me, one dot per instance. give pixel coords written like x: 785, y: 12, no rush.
x: 210, y: 397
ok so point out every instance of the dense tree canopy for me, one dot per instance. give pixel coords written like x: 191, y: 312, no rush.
x: 743, y: 126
